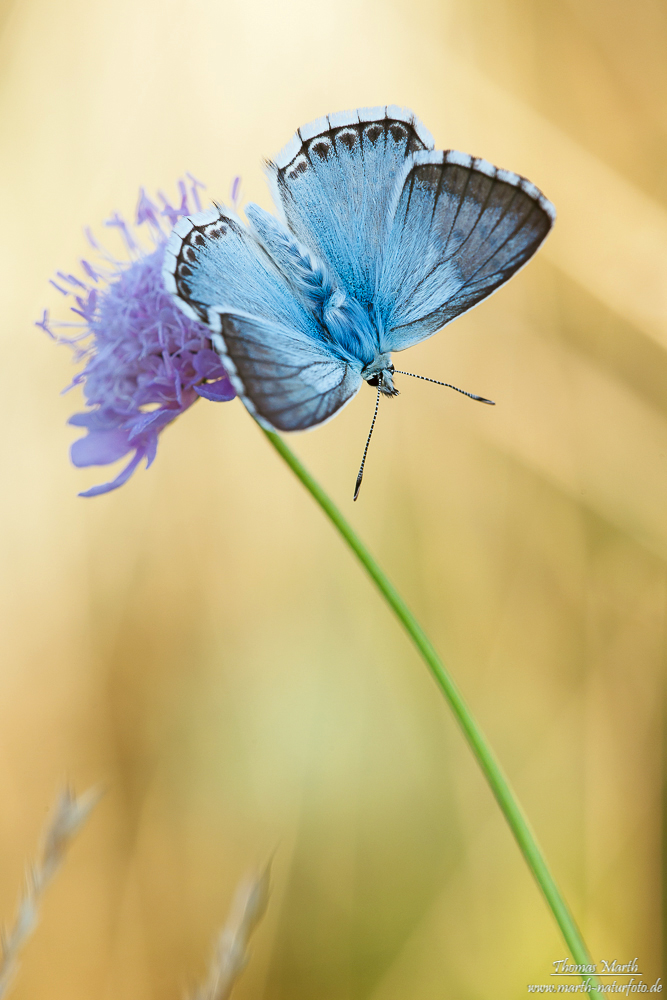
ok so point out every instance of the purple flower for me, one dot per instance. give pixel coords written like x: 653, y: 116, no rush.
x: 145, y: 361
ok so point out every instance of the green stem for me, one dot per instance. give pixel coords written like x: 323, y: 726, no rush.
x: 487, y: 760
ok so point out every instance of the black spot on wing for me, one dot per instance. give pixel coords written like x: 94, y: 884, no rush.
x: 195, y: 240
x: 321, y: 147
x: 398, y: 132
x: 299, y: 165
x: 373, y: 132
x: 348, y: 137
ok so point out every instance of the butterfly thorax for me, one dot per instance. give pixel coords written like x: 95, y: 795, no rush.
x: 380, y: 374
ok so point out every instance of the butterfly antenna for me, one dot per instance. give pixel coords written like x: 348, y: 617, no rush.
x: 447, y: 385
x: 368, y: 441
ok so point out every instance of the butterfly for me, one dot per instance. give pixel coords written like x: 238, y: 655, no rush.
x: 379, y: 241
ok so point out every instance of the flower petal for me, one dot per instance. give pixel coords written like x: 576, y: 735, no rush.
x: 145, y: 362
x: 207, y: 364
x: 121, y: 478
x: 151, y: 423
x: 96, y: 420
x: 100, y: 448
x: 218, y: 392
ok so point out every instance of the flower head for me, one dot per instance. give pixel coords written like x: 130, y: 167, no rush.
x: 145, y: 361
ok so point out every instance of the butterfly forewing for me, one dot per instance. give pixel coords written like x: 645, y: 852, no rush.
x: 212, y: 259
x: 461, y: 228
x: 335, y: 182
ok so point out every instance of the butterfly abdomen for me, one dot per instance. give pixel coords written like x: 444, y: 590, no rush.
x: 345, y: 323
x: 349, y: 327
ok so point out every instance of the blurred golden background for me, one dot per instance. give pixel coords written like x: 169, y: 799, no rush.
x: 199, y: 641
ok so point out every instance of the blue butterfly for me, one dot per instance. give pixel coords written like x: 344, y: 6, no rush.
x: 381, y: 240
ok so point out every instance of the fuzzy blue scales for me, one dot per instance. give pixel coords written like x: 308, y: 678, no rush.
x: 380, y: 241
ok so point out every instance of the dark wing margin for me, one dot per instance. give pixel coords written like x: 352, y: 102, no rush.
x: 189, y: 236
x: 461, y: 229
x: 212, y: 260
x: 334, y: 182
x: 319, y: 138
x: 286, y: 380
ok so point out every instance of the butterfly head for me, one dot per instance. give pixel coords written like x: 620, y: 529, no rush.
x: 380, y: 374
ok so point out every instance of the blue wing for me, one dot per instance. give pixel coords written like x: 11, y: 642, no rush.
x: 334, y: 182
x: 287, y: 381
x: 211, y: 259
x: 263, y: 313
x: 461, y: 228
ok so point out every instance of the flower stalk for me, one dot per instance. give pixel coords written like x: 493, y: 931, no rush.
x: 487, y: 760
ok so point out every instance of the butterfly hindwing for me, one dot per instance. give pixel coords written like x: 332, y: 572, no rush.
x: 461, y: 228
x: 286, y: 380
x: 334, y: 182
